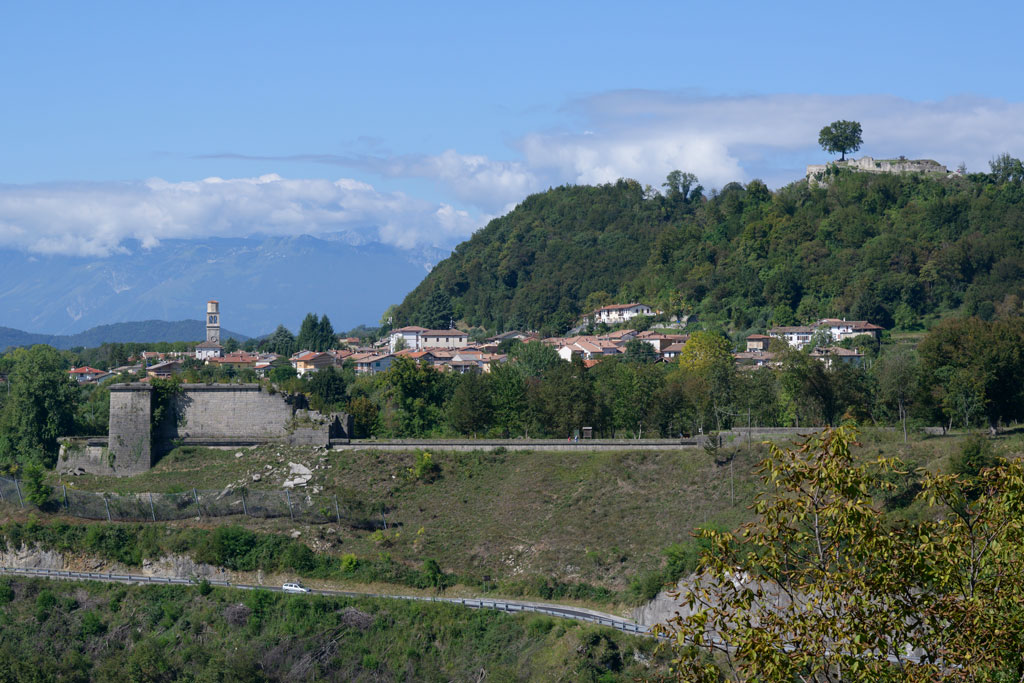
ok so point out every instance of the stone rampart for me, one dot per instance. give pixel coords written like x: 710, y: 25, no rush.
x: 816, y: 173
x: 222, y: 411
x: 130, y: 439
x: 197, y: 414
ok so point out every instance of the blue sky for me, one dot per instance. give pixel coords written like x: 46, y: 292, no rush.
x: 413, y: 123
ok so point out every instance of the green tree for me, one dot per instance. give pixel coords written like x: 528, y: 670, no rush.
x: 41, y: 407
x: 636, y: 388
x: 534, y: 358
x: 309, y: 333
x: 841, y: 136
x: 1006, y: 169
x: 897, y: 373
x: 418, y: 392
x: 436, y: 312
x: 230, y: 345
x: 36, y: 489
x: 707, y: 364
x: 977, y: 365
x: 639, y: 351
x: 327, y: 386
x: 566, y: 397
x: 281, y: 341
x: 824, y: 587
x: 682, y: 187
x: 508, y: 398
x: 470, y: 410
x: 325, y: 337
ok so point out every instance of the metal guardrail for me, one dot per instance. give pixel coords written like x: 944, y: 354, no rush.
x: 507, y: 606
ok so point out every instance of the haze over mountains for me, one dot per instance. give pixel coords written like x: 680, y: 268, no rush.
x: 260, y: 281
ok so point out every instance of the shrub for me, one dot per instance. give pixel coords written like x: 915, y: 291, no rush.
x: 425, y: 468
x: 92, y: 624
x: 36, y: 489
x: 46, y: 601
x: 349, y: 563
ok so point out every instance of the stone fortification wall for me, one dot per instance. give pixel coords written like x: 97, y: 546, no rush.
x: 130, y: 440
x: 866, y: 164
x: 90, y: 455
x: 226, y: 411
x: 203, y: 414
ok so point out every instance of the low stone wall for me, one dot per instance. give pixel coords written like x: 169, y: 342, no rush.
x: 85, y: 455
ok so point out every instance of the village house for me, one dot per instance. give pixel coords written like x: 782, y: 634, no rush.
x: 748, y: 360
x: 829, y: 354
x: 417, y: 338
x: 372, y: 363
x: 835, y: 329
x: 758, y: 343
x: 672, y: 351
x: 311, y: 361
x: 619, y: 313
x: 660, y: 341
x: 586, y: 347
x: 86, y: 374
x: 848, y: 329
x: 797, y: 336
x: 164, y: 370
x: 209, y: 349
x: 505, y: 336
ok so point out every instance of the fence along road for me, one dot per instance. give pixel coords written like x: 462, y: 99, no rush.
x: 162, y: 507
x: 510, y: 606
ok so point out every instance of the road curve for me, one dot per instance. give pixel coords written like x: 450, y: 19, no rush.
x: 510, y: 606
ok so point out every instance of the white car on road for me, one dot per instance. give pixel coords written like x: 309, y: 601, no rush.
x: 294, y: 588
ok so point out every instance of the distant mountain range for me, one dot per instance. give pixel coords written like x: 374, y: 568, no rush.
x: 141, y: 331
x: 261, y: 282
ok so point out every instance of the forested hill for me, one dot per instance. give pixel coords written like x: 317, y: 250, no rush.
x: 893, y: 249
x: 141, y: 331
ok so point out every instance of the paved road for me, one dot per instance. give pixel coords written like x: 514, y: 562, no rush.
x: 511, y: 606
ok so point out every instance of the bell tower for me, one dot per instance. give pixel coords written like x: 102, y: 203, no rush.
x: 213, y: 322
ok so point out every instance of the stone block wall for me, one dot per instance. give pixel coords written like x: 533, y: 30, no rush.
x: 90, y: 455
x: 224, y: 411
x: 201, y: 413
x: 130, y: 443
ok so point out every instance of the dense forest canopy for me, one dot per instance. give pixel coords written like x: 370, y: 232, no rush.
x: 897, y: 250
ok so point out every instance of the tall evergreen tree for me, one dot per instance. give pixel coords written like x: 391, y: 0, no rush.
x: 308, y: 333
x: 325, y: 335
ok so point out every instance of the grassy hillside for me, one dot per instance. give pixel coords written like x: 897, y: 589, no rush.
x: 594, y: 527
x: 596, y: 518
x: 894, y: 249
x: 67, y: 631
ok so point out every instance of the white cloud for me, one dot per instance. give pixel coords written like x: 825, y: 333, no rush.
x: 646, y: 134
x: 636, y: 134
x: 95, y: 219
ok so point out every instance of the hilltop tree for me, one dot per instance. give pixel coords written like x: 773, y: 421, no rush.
x: 682, y: 187
x: 840, y: 136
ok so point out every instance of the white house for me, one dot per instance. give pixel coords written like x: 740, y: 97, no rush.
x: 835, y: 329
x: 417, y: 338
x: 209, y: 349
x: 847, y: 329
x: 620, y: 313
x: 86, y: 374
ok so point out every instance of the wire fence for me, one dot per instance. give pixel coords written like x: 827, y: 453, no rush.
x: 191, y: 504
